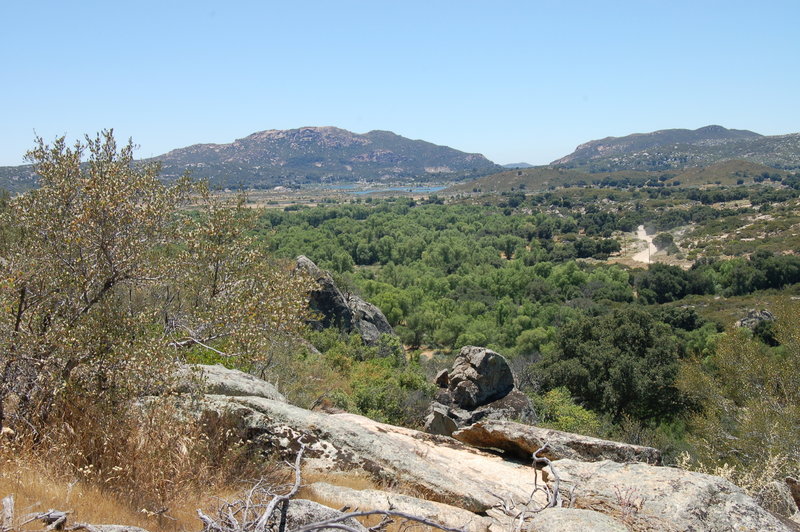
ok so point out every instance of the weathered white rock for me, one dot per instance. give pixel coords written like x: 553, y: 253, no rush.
x: 445, y: 514
x: 573, y: 520
x: 455, y: 473
x: 302, y: 512
x: 523, y: 440
x: 663, y: 498
x: 219, y: 380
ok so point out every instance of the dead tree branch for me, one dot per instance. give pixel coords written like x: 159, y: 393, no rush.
x: 521, y: 512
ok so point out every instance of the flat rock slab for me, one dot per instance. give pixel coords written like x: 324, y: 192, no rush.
x: 523, y: 440
x: 573, y: 520
x: 302, y: 512
x: 442, y: 468
x: 444, y: 514
x: 663, y: 498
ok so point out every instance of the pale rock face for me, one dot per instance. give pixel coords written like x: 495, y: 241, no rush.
x: 574, y: 520
x: 219, y: 380
x: 445, y: 514
x: 634, y: 496
x: 523, y: 440
x: 458, y: 474
x: 302, y: 512
x: 663, y: 498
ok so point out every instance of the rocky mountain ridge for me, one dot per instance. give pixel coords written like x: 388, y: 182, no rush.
x: 323, y: 155
x: 306, y: 155
x: 682, y: 148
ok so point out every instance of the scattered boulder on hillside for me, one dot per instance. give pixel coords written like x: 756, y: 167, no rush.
x: 662, y: 498
x: 347, y: 312
x: 754, y: 317
x: 479, y: 376
x: 480, y: 385
x: 523, y: 440
x: 368, y: 319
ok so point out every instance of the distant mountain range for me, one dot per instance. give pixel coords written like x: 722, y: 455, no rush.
x: 305, y: 156
x: 671, y: 149
x: 324, y: 155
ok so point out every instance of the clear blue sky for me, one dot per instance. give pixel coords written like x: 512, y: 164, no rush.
x: 516, y: 81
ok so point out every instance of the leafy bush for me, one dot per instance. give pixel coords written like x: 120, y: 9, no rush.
x: 749, y: 396
x: 556, y: 409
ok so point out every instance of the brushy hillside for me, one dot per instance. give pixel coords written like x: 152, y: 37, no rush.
x: 541, y: 178
x: 682, y: 148
x: 323, y: 155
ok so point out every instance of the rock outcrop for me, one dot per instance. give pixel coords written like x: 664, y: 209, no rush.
x: 754, y: 317
x: 219, y: 380
x: 479, y: 386
x: 347, y: 312
x: 479, y: 376
x: 301, y: 512
x: 603, y: 495
x: 347, y: 442
x: 522, y: 441
x: 574, y: 520
x: 648, y: 497
x: 445, y: 514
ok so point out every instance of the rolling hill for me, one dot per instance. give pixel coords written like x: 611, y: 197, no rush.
x: 672, y: 149
x: 323, y: 155
x: 541, y: 178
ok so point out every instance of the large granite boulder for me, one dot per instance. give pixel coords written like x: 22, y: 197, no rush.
x: 479, y: 386
x: 647, y: 497
x: 635, y: 495
x: 347, y: 312
x: 522, y: 441
x: 479, y: 376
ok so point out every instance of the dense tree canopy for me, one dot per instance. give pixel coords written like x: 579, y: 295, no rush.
x: 622, y: 363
